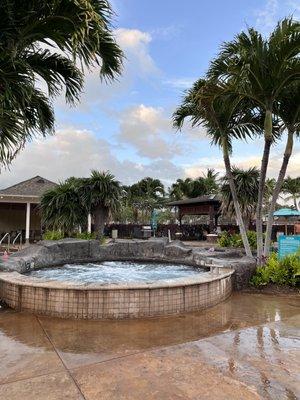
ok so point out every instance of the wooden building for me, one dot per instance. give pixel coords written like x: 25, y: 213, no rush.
x: 204, y: 205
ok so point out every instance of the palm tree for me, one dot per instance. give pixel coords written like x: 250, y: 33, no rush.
x: 189, y: 188
x: 143, y: 197
x: 101, y: 195
x: 62, y: 209
x: 288, y: 110
x: 246, y: 182
x: 211, y: 181
x: 291, y: 187
x: 149, y: 187
x: 268, y: 194
x: 46, y: 40
x: 259, y: 70
x: 182, y: 188
x: 225, y: 117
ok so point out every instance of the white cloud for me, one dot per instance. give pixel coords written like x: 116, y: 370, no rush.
x: 267, y: 16
x: 274, y: 10
x: 180, y: 83
x: 167, y: 32
x: 74, y: 152
x: 135, y: 44
x: 149, y: 131
x: 195, y: 170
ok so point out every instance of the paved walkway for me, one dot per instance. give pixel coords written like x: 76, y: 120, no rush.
x: 245, y: 348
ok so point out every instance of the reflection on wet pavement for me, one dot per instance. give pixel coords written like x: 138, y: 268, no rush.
x: 246, y: 347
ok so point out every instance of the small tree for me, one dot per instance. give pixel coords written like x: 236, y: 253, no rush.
x: 101, y: 195
x: 62, y: 209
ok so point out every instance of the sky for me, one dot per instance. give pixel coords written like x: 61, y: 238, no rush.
x: 125, y: 127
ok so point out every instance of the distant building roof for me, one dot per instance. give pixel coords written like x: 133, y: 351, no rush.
x: 286, y: 212
x: 33, y: 188
x: 212, y: 198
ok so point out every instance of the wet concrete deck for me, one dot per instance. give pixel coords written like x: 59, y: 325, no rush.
x: 245, y: 348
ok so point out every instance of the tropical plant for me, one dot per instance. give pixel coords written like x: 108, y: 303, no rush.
x: 260, y: 69
x: 53, y: 235
x: 66, y: 207
x: 291, y: 188
x: 166, y: 216
x: 268, y: 194
x: 189, y: 188
x: 62, y: 209
x: 284, y: 271
x: 182, y: 188
x: 100, y: 194
x: 234, y: 240
x: 147, y: 187
x: 246, y: 182
x: 211, y: 180
x: 85, y: 235
x: 225, y: 117
x: 143, y: 197
x: 48, y: 41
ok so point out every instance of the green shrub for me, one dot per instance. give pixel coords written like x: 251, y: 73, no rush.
x: 280, y: 272
x: 235, y: 240
x: 89, y: 236
x: 225, y: 240
x: 85, y: 235
x: 53, y: 235
x: 57, y: 235
x: 252, y: 237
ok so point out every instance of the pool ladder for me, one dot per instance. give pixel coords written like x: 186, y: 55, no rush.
x: 8, y: 236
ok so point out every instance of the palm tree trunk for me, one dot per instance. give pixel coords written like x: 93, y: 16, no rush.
x: 280, y: 179
x: 100, y: 218
x: 237, y: 208
x: 295, y: 203
x: 268, y: 126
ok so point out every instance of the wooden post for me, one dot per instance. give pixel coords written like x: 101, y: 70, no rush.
x: 211, y: 219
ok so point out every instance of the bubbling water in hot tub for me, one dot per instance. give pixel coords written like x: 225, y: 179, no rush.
x: 108, y: 272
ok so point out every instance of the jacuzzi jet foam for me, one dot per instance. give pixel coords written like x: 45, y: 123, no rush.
x: 116, y: 272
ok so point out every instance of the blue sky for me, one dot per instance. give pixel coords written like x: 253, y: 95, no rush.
x: 126, y: 127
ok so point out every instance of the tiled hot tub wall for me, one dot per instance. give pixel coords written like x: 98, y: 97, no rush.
x: 97, y: 303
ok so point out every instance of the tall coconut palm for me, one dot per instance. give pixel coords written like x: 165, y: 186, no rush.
x: 62, y: 209
x: 246, y: 182
x: 260, y: 69
x: 101, y: 195
x: 291, y: 188
x: 288, y: 110
x: 225, y: 118
x: 49, y: 41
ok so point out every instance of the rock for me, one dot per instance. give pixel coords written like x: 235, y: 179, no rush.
x: 55, y: 253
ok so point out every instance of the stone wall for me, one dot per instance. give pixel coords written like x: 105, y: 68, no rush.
x: 55, y: 253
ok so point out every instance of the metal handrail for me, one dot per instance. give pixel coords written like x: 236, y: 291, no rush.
x: 8, y: 240
x: 15, y: 239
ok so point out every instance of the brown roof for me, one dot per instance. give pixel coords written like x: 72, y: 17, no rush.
x: 34, y: 187
x: 211, y: 198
